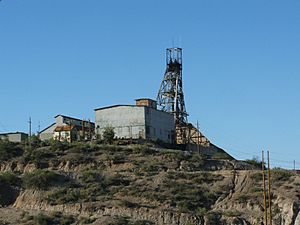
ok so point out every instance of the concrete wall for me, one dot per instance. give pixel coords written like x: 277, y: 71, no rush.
x: 136, y: 122
x: 14, y: 137
x: 160, y: 125
x: 48, y: 133
x: 127, y: 121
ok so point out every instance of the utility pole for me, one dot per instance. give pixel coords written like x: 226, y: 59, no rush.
x: 90, y: 133
x: 264, y: 187
x: 39, y: 129
x: 83, y: 131
x: 269, y: 187
x: 29, y: 135
x: 198, y: 134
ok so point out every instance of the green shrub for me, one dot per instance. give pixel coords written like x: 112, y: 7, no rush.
x: 143, y: 222
x: 10, y: 179
x: 242, y: 198
x: 256, y: 176
x: 254, y: 162
x: 123, y: 220
x: 38, y: 156
x: 143, y: 150
x: 55, y: 218
x: 189, y: 197
x: 41, y: 179
x: 150, y: 168
x: 231, y: 213
x: 81, y: 147
x: 42, y: 219
x: 118, y: 158
x: 221, y: 155
x: 9, y: 150
x: 35, y: 142
x: 108, y: 134
x: 278, y: 174
x: 94, y: 185
x: 116, y: 180
x: 87, y: 220
x: 173, y: 155
x: 213, y: 218
x: 201, y: 211
x: 127, y: 204
x: 91, y: 176
x: 58, y: 146
x: 64, y: 195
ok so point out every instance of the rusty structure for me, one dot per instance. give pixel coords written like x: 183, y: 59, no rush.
x: 170, y: 99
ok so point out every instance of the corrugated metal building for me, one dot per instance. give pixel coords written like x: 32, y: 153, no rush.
x: 140, y: 121
x: 14, y: 137
x: 68, y: 128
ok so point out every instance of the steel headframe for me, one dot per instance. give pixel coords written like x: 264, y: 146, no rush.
x: 170, y: 97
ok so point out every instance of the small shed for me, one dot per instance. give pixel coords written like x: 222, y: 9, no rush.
x: 14, y: 137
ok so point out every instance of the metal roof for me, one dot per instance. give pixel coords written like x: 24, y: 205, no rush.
x: 113, y: 106
x: 13, y: 133
x: 72, y: 118
x: 47, y: 128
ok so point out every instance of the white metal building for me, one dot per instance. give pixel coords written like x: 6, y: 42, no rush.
x: 14, y: 137
x: 67, y: 125
x: 140, y: 121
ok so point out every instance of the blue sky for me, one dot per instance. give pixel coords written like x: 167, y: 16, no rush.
x: 241, y: 65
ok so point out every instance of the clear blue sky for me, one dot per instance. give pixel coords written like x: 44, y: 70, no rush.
x: 241, y: 64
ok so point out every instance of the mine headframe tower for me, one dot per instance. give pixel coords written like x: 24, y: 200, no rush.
x: 170, y: 97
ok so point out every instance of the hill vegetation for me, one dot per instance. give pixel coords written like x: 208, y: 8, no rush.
x: 94, y: 183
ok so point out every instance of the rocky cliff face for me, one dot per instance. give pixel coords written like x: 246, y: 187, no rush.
x: 109, y: 184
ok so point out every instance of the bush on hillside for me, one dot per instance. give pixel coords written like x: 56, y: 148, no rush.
x: 9, y: 150
x: 41, y: 179
x: 91, y: 176
x: 122, y: 220
x: 278, y: 174
x: 254, y: 162
x: 10, y: 178
x: 38, y: 156
x: 58, y: 146
x: 108, y: 134
x: 65, y: 195
x: 56, y: 218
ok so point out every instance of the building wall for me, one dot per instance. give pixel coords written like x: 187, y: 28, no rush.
x: 136, y: 122
x: 14, y: 137
x: 127, y: 121
x: 160, y: 125
x: 48, y: 133
x: 61, y: 120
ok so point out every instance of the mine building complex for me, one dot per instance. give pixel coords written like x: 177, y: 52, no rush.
x: 68, y: 129
x: 140, y: 121
x: 164, y: 119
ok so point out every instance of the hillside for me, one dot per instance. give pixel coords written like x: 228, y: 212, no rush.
x: 82, y: 183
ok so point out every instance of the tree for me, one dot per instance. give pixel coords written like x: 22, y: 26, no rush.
x: 108, y: 134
